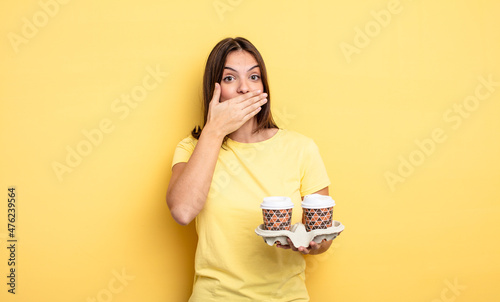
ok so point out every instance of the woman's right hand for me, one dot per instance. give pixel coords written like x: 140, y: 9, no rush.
x: 230, y: 115
x: 190, y: 182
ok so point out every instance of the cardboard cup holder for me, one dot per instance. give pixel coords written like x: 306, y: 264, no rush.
x: 298, y: 234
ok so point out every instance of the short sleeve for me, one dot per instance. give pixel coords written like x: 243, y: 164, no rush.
x: 184, y: 150
x: 313, y: 171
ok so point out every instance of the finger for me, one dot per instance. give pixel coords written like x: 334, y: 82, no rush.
x: 286, y: 247
x: 216, y: 95
x: 251, y: 114
x: 303, y: 250
x: 253, y: 103
x: 255, y: 95
x: 253, y: 100
x: 249, y: 107
x: 252, y: 110
x: 291, y: 245
x: 314, y: 246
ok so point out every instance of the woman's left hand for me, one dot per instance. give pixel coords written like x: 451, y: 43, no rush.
x: 313, y: 248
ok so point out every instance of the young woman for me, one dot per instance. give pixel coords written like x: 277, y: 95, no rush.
x: 222, y: 172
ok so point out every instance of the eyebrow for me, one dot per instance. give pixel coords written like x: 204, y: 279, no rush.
x: 227, y: 67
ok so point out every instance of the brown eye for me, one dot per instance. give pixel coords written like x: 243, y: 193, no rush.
x: 254, y: 77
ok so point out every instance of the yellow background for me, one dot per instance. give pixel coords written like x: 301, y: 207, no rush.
x: 405, y: 242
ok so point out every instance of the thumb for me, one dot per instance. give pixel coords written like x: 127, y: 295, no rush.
x: 216, y: 95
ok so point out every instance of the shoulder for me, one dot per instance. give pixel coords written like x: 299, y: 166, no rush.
x: 187, y: 143
x: 293, y: 137
x: 189, y: 140
x: 296, y: 143
x: 184, y: 150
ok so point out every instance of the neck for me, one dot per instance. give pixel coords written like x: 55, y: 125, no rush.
x: 245, y: 134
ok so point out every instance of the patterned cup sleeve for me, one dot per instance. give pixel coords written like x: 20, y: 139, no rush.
x: 317, y: 218
x: 277, y: 220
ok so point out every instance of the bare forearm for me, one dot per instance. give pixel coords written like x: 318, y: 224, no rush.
x: 190, y: 182
x: 187, y: 193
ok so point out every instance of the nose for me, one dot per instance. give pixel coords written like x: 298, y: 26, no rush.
x: 243, y: 87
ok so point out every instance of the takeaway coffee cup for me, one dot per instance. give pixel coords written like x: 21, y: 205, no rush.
x: 317, y: 211
x: 277, y: 213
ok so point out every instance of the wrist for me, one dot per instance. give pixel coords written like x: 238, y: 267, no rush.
x: 213, y: 133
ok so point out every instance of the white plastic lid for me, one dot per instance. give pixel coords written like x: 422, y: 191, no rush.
x: 317, y: 201
x: 276, y: 203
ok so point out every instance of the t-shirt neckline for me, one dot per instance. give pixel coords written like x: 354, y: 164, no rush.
x: 240, y: 144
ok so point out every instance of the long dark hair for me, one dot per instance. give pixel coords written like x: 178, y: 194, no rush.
x: 213, y: 74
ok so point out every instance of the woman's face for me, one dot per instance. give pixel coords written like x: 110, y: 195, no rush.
x: 241, y: 75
